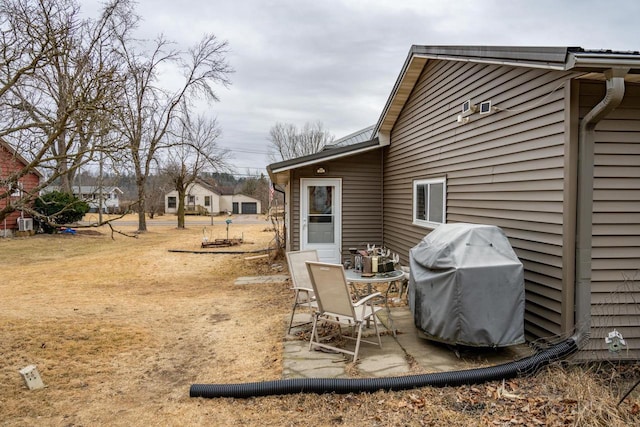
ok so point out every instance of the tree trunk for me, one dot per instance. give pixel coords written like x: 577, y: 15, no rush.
x: 63, y: 167
x: 142, y: 220
x: 181, y: 195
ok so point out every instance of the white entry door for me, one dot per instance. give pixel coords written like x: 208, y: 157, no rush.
x: 321, y: 217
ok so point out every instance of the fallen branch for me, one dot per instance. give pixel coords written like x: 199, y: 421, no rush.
x: 256, y: 257
x: 628, y: 392
x: 96, y: 224
x: 113, y: 230
x: 44, y: 219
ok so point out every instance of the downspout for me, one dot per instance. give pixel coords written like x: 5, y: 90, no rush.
x: 287, y: 243
x: 383, y: 243
x: 584, y: 223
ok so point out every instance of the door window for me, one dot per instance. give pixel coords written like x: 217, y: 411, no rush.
x: 321, y: 219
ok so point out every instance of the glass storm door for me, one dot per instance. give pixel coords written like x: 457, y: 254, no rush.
x: 320, y: 217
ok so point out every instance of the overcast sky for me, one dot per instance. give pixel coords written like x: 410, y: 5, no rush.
x: 336, y: 61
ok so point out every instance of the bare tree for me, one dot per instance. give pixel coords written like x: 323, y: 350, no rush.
x: 289, y: 142
x: 56, y: 80
x: 148, y: 111
x: 196, y: 152
x: 157, y: 186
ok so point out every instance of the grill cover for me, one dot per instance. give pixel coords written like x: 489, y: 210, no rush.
x: 467, y: 287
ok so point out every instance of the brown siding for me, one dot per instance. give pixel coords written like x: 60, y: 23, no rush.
x: 361, y: 198
x: 616, y: 222
x: 505, y: 168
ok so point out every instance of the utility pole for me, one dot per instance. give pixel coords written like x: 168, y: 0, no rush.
x: 100, y: 182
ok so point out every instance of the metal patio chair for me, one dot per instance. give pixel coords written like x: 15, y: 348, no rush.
x: 335, y: 306
x: 301, y: 284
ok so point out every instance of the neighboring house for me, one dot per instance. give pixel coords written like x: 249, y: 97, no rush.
x: 240, y: 204
x: 542, y: 142
x: 11, y: 162
x: 200, y: 195
x: 93, y: 194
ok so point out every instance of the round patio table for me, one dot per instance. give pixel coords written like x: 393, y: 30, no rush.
x: 354, y: 276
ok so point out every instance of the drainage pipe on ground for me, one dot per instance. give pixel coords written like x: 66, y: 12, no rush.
x: 526, y: 366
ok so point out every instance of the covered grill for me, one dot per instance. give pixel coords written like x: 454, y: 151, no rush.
x: 467, y: 287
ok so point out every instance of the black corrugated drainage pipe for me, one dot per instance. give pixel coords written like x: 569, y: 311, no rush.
x: 527, y: 366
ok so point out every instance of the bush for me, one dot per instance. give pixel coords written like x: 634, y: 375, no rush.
x: 59, y: 208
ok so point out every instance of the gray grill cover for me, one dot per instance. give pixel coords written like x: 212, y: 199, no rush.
x: 467, y: 286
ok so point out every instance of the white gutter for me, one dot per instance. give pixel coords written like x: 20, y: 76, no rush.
x: 584, y: 232
x: 494, y: 61
x: 594, y: 60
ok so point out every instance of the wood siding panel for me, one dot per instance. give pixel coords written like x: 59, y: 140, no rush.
x: 616, y: 222
x: 361, y: 198
x: 10, y: 164
x: 505, y: 168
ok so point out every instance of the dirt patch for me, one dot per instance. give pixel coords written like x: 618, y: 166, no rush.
x: 120, y: 328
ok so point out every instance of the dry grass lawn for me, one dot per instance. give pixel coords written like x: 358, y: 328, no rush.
x: 120, y: 328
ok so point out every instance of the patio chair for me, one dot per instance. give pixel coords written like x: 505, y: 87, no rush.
x: 301, y: 284
x: 335, y: 306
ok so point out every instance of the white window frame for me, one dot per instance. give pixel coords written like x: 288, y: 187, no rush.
x: 429, y: 181
x: 16, y: 190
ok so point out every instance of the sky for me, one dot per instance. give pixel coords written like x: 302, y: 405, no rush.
x: 336, y: 61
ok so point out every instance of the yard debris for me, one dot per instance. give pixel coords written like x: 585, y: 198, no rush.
x: 256, y: 257
x: 32, y: 377
x: 221, y: 243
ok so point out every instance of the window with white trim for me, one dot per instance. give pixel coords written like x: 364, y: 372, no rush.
x: 15, y: 189
x: 429, y: 202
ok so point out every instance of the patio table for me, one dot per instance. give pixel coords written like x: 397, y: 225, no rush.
x: 354, y: 276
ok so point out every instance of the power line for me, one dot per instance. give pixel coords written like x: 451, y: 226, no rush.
x: 242, y: 150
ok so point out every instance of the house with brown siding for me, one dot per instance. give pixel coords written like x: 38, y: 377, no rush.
x: 15, y: 187
x: 543, y: 142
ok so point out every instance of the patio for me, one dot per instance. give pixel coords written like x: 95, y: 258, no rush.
x: 406, y: 353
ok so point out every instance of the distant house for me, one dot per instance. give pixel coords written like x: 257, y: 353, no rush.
x: 543, y: 142
x: 93, y: 195
x: 201, y: 197
x: 10, y: 163
x: 240, y: 204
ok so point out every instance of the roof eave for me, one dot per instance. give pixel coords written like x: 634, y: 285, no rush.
x: 279, y: 169
x: 21, y: 159
x: 533, y: 57
x: 550, y: 58
x: 407, y: 79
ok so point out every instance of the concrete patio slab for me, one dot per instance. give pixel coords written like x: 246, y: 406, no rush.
x: 260, y: 280
x: 406, y: 353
